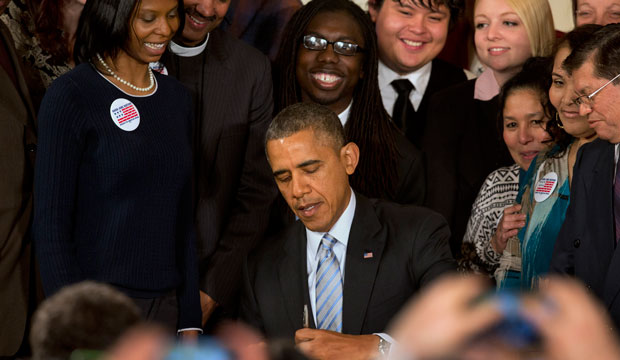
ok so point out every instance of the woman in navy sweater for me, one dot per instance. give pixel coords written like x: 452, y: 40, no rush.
x: 113, y: 185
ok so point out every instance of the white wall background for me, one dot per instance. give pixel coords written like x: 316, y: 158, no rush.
x: 562, y: 13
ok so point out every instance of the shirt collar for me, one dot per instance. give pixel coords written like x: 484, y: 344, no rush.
x: 341, y: 229
x: 418, y: 78
x: 185, y: 51
x: 344, y: 116
x: 486, y: 87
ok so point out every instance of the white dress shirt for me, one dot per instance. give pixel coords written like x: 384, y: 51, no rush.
x: 418, y: 78
x: 344, y: 116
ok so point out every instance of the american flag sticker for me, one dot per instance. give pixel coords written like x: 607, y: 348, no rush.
x: 545, y: 186
x: 368, y: 254
x: 125, y: 114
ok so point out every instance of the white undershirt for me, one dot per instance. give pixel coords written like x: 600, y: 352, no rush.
x: 184, y: 51
x: 344, y: 116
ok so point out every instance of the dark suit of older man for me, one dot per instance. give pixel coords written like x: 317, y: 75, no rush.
x: 585, y: 246
x: 17, y: 146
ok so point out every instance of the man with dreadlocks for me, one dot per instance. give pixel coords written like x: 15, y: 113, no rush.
x: 411, y: 33
x: 332, y: 61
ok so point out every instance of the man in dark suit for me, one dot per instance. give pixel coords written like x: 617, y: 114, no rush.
x: 232, y: 90
x: 351, y: 263
x: 410, y: 34
x: 17, y: 147
x: 587, y: 244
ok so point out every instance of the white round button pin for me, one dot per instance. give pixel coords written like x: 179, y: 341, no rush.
x: 125, y: 114
x: 545, y: 186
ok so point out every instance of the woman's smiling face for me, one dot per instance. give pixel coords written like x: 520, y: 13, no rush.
x: 153, y: 25
x: 524, y: 126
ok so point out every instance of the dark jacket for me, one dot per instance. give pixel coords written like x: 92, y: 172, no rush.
x: 409, y: 249
x: 585, y: 246
x: 232, y: 90
x: 17, y: 150
x: 462, y: 146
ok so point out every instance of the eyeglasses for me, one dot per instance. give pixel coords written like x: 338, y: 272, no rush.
x: 313, y: 42
x: 586, y: 100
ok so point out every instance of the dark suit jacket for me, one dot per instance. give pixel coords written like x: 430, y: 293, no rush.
x: 462, y: 146
x: 232, y: 89
x: 17, y: 148
x: 443, y: 75
x: 585, y: 246
x: 409, y: 247
x: 260, y: 23
x: 411, y: 187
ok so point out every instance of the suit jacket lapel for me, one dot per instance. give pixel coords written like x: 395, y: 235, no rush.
x: 215, y: 73
x: 603, y: 169
x: 294, y: 262
x: 364, y: 250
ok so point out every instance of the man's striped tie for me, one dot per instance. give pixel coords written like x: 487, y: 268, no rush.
x: 328, y: 287
x: 617, y: 204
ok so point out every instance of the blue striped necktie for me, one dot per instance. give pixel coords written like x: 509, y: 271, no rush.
x: 617, y: 203
x: 328, y: 287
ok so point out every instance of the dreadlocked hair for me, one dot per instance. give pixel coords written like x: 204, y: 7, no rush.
x: 369, y: 125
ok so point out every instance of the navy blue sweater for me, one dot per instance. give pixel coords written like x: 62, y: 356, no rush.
x: 115, y: 205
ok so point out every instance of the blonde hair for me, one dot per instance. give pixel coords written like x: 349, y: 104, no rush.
x: 538, y: 21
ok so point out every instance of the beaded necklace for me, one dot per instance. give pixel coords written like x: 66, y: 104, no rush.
x: 125, y: 82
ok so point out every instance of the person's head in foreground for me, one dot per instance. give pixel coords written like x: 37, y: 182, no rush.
x: 86, y: 316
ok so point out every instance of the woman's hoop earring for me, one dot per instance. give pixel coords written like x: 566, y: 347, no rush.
x: 558, y: 121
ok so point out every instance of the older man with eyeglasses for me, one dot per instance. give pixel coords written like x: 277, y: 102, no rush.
x: 586, y: 245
